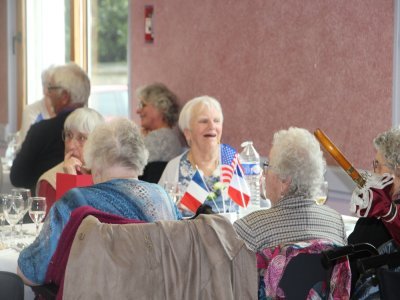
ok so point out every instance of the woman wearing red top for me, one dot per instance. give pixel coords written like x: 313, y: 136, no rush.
x: 79, y: 124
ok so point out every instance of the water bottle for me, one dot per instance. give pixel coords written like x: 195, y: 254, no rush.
x: 250, y: 161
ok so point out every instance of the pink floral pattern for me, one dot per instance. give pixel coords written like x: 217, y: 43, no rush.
x: 272, y: 262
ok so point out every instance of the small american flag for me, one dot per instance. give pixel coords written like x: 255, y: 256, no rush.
x: 229, y: 160
x: 232, y: 174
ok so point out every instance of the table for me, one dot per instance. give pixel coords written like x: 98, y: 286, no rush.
x: 9, y: 258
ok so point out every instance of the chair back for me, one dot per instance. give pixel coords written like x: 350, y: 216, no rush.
x: 11, y: 286
x: 303, y: 273
x: 153, y: 171
x: 298, y: 271
x: 388, y: 284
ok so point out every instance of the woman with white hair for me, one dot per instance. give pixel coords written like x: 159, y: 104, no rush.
x: 116, y: 155
x: 295, y: 172
x: 77, y: 127
x: 201, y: 122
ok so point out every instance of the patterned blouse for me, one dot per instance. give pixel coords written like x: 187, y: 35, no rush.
x: 186, y: 172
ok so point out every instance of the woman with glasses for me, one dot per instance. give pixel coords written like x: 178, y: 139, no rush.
x: 116, y: 155
x: 158, y: 111
x: 77, y: 127
x: 293, y: 178
x: 372, y: 230
x: 387, y: 160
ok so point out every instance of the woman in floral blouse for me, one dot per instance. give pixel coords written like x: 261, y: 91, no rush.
x: 201, y: 122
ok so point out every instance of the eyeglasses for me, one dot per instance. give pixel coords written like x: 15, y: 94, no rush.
x: 53, y: 87
x: 142, y: 105
x: 68, y: 136
x: 376, y: 164
x: 266, y: 167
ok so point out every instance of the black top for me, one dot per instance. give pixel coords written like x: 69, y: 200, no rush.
x: 42, y: 149
x: 369, y: 230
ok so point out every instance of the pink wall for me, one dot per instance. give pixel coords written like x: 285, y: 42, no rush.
x: 275, y: 64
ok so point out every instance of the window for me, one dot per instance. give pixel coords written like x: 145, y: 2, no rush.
x: 92, y: 33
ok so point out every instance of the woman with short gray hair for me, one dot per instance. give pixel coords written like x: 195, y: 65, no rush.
x: 116, y: 154
x: 77, y: 127
x: 295, y: 172
x: 158, y: 111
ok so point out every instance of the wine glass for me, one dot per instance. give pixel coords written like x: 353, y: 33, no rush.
x: 26, y: 194
x: 175, y: 190
x: 2, y: 216
x: 12, y: 212
x: 37, y: 210
x: 322, y: 193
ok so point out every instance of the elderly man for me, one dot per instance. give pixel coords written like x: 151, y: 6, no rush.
x: 43, y: 148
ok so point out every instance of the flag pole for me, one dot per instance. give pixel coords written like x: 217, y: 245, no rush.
x: 240, y: 186
x: 220, y: 173
x: 205, y: 184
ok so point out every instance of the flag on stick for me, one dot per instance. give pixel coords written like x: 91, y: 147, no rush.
x: 232, y: 174
x: 196, y: 193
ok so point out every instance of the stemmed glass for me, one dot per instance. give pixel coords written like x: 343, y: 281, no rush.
x: 2, y: 216
x: 12, y: 212
x: 322, y: 194
x: 26, y: 194
x: 37, y: 210
x: 175, y: 191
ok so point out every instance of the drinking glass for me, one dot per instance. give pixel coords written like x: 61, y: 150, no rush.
x: 322, y: 194
x: 2, y: 216
x: 12, y: 212
x: 37, y: 210
x: 175, y: 190
x: 25, y: 194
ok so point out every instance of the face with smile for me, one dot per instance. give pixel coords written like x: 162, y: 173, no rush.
x: 205, y: 127
x: 151, y: 117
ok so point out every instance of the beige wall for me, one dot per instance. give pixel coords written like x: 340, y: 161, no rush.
x: 3, y: 63
x: 275, y: 64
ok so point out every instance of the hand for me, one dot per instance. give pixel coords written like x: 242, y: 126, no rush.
x: 72, y: 165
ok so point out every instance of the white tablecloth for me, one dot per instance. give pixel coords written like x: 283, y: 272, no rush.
x: 9, y: 258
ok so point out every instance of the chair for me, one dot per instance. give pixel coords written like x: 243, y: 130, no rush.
x: 300, y: 271
x: 153, y: 171
x: 191, y: 259
x: 11, y: 286
x: 384, y: 271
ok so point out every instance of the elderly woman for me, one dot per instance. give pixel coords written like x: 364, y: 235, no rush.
x: 201, y: 122
x: 293, y: 178
x: 158, y: 111
x: 77, y: 127
x: 116, y: 154
x: 387, y: 159
x: 375, y: 229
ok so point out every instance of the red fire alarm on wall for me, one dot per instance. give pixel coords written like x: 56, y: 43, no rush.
x: 148, y: 23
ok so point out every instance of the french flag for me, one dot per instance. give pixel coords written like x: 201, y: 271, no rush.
x: 196, y: 193
x: 232, y: 174
x: 238, y: 189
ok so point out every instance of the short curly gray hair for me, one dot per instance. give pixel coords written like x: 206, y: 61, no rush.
x: 187, y: 111
x: 116, y: 143
x: 388, y: 144
x: 297, y: 155
x: 163, y: 99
